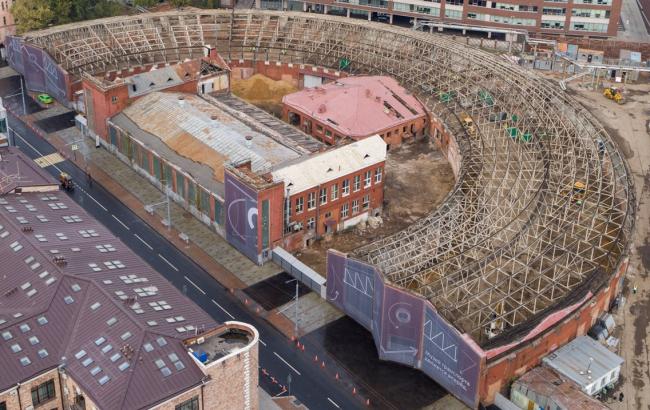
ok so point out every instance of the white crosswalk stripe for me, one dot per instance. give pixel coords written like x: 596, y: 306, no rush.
x: 48, y: 160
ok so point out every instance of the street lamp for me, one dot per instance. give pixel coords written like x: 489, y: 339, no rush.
x: 294, y: 304
x: 168, y: 221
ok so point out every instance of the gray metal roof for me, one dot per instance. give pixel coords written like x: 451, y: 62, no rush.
x: 153, y: 80
x: 103, y: 294
x: 573, y: 358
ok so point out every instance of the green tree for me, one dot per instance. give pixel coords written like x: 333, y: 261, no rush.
x: 180, y: 3
x: 106, y: 8
x: 145, y: 3
x: 32, y: 14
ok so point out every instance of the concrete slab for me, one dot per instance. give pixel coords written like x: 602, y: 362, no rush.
x: 313, y: 312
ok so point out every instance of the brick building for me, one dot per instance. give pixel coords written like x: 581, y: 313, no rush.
x: 104, y: 96
x: 354, y: 108
x: 7, y: 23
x: 232, y: 166
x: 86, y: 324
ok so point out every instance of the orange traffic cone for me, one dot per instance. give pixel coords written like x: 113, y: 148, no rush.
x: 264, y: 372
x: 284, y: 389
x: 316, y: 358
x: 298, y: 345
x: 368, y: 402
x: 303, y: 348
x: 323, y: 365
x: 232, y: 290
x: 246, y: 302
x: 293, y: 339
x: 273, y: 379
x: 354, y: 391
x: 258, y: 311
x: 337, y: 376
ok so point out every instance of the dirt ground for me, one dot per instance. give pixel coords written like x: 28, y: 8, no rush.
x: 263, y: 92
x: 417, y: 179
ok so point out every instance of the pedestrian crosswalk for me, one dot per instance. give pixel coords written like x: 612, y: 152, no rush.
x: 48, y: 160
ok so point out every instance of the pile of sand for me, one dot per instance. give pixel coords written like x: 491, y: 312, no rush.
x: 261, y: 88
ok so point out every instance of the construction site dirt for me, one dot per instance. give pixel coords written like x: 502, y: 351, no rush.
x: 418, y: 178
x: 263, y: 92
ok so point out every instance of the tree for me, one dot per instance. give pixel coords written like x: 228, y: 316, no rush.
x: 145, y: 3
x: 180, y: 3
x: 106, y: 8
x: 32, y: 14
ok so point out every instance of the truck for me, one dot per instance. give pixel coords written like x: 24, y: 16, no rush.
x: 66, y: 181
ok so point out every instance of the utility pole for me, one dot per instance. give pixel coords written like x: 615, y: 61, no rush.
x: 169, y: 209
x: 294, y: 304
x: 22, y: 91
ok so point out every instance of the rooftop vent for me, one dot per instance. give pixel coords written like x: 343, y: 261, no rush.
x: 27, y: 229
x: 181, y: 101
x: 249, y: 141
x: 214, y: 121
x: 377, y: 98
x: 60, y: 261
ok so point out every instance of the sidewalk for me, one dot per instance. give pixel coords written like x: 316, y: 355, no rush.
x: 632, y: 18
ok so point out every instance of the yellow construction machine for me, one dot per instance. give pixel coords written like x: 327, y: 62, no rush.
x: 577, y: 192
x: 468, y: 123
x: 614, y: 93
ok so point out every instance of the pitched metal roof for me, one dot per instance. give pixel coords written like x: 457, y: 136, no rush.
x: 358, y: 106
x: 18, y: 171
x: 332, y: 164
x: 97, y: 293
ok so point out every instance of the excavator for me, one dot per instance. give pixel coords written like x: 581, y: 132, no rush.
x: 468, y: 123
x: 613, y: 93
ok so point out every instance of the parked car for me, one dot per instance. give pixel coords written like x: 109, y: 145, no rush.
x: 383, y: 18
x: 45, y: 98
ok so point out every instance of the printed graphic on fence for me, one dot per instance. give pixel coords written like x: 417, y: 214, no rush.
x: 241, y: 217
x: 33, y: 65
x: 401, y: 333
x: 14, y: 55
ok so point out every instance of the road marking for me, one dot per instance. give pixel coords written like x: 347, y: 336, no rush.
x: 285, y: 362
x: 262, y: 342
x: 188, y: 279
x: 142, y: 240
x: 100, y: 205
x: 332, y: 401
x: 51, y: 159
x: 121, y: 223
x: 30, y: 145
x: 163, y: 258
x: 220, y: 307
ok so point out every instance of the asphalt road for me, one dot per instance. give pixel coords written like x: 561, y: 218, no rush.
x: 313, y: 386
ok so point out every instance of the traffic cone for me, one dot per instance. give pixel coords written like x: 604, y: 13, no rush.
x: 273, y: 379
x: 337, y: 376
x: 316, y: 358
x: 68, y: 156
x: 258, y: 311
x: 284, y: 389
x: 298, y: 345
x: 246, y: 302
x: 232, y: 290
x: 368, y: 402
x: 293, y: 339
x: 323, y: 365
x: 303, y: 348
x: 264, y: 372
x: 354, y: 391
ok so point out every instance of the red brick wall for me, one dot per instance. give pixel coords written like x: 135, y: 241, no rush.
x: 530, y: 354
x: 376, y: 192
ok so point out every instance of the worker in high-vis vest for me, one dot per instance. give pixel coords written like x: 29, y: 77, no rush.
x: 635, y: 288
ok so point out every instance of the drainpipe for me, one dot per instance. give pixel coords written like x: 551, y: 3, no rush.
x: 20, y: 406
x: 287, y: 212
x: 317, y: 210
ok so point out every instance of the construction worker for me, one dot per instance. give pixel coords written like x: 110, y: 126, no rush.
x: 579, y: 203
x: 635, y: 288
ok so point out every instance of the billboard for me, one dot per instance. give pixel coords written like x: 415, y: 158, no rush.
x: 55, y: 80
x: 351, y: 287
x: 448, y: 359
x: 14, y: 55
x: 401, y: 331
x: 240, y: 217
x: 335, y: 276
x: 33, y: 67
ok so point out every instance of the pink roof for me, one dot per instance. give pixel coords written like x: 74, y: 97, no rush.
x: 358, y: 106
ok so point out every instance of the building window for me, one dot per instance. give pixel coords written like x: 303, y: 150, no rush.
x: 323, y: 196
x: 335, y: 192
x: 328, y: 215
x: 344, y: 211
x: 366, y: 202
x: 355, y: 207
x: 311, y: 222
x: 191, y: 404
x: 378, y: 175
x: 319, y: 129
x: 328, y: 133
x: 3, y: 405
x: 43, y: 392
x: 367, y: 179
x: 114, y: 100
x: 346, y: 187
x: 357, y: 183
x: 311, y: 200
x: 300, y: 205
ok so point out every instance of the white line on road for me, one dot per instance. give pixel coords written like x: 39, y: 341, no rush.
x: 262, y: 342
x: 285, y: 362
x: 142, y: 240
x: 120, y: 222
x: 168, y: 263
x: 100, y: 205
x: 200, y: 290
x: 332, y: 401
x: 31, y: 146
x: 220, y: 307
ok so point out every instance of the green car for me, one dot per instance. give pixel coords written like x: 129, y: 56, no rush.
x: 45, y: 98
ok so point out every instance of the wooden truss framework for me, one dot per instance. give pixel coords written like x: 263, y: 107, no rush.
x: 506, y: 243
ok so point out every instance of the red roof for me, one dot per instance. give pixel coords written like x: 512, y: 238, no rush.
x: 358, y: 107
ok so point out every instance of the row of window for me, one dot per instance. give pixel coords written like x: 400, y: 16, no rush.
x: 334, y: 191
x: 357, y: 206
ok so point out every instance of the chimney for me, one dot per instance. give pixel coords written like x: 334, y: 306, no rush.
x: 181, y: 102
x: 214, y: 121
x: 249, y: 141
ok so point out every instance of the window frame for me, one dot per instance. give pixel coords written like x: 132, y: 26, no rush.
x: 191, y: 404
x: 311, y: 223
x: 365, y: 205
x: 300, y: 205
x: 346, y: 187
x: 322, y: 196
x: 311, y: 201
x: 378, y: 175
x: 345, y: 211
x: 355, y: 207
x: 334, y: 192
x: 367, y: 179
x: 40, y: 396
x: 356, y: 183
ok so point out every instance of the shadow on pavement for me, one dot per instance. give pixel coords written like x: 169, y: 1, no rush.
x: 274, y: 291
x: 11, y: 86
x: 57, y: 122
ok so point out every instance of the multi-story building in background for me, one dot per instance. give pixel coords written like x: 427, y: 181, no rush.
x: 7, y: 23
x: 597, y: 18
x: 86, y: 324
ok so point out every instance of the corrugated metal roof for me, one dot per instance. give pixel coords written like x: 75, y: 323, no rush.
x: 190, y: 131
x: 153, y: 80
x: 103, y: 294
x: 358, y: 106
x: 574, y: 358
x: 13, y: 163
x: 330, y: 165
